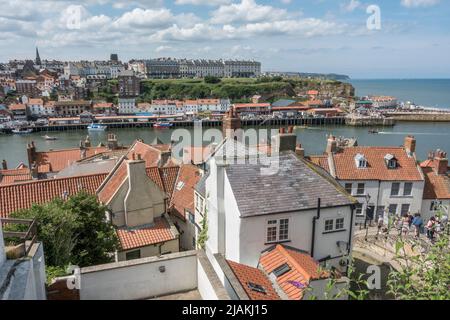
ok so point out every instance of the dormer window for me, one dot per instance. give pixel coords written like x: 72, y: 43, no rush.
x: 361, y: 161
x: 391, y: 161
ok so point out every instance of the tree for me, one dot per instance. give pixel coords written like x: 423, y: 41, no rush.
x: 55, y: 228
x: 96, y: 238
x: 73, y: 231
x: 212, y: 79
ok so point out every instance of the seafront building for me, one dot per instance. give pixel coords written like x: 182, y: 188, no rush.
x: 383, y: 179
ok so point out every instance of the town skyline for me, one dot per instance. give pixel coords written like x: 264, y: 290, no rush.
x: 311, y: 36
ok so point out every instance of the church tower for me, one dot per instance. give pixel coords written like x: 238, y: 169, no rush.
x: 38, y: 58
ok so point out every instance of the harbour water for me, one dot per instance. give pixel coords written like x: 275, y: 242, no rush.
x: 426, y: 92
x: 430, y: 136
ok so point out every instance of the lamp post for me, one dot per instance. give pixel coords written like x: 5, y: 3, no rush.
x: 365, y: 221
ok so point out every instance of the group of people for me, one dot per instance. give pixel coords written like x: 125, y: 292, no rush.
x: 404, y: 224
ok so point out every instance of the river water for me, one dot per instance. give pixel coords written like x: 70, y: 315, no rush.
x: 430, y: 136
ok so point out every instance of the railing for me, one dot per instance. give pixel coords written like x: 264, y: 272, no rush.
x: 28, y: 237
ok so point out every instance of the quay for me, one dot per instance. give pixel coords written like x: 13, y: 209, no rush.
x: 138, y: 123
x: 419, y: 116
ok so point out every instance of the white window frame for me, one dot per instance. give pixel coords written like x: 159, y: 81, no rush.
x: 392, y: 188
x: 336, y: 224
x: 364, y: 188
x: 404, y: 188
x: 328, y: 223
x: 276, y: 223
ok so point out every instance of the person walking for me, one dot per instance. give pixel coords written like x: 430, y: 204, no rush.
x: 405, y: 224
x: 417, y: 222
x: 431, y: 228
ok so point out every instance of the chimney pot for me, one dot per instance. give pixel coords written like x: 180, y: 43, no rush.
x: 4, y: 165
x: 290, y: 129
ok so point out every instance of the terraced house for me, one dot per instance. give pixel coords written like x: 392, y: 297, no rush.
x: 380, y: 178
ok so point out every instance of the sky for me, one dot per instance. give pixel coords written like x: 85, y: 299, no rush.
x: 407, y: 39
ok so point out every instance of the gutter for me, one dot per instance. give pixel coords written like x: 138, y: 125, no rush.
x: 313, y: 236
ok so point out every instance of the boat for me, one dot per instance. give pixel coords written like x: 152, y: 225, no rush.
x: 48, y: 138
x: 373, y: 131
x: 160, y: 124
x: 22, y: 130
x: 96, y: 127
x: 301, y: 127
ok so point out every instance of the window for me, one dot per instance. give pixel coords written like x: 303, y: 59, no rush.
x: 360, y: 161
x: 256, y: 287
x: 393, y: 208
x: 279, y: 271
x: 407, y: 190
x: 405, y: 208
x: 136, y: 254
x: 191, y: 217
x: 348, y: 188
x: 435, y: 204
x: 277, y: 230
x: 339, y: 223
x: 360, y: 189
x: 359, y: 209
x: 329, y: 225
x: 391, y: 162
x: 395, y: 189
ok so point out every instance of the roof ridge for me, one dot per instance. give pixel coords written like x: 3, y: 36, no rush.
x: 56, y: 179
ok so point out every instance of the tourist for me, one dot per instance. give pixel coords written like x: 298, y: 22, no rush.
x: 380, y: 222
x: 410, y: 219
x: 405, y: 224
x: 418, y: 224
x: 431, y: 225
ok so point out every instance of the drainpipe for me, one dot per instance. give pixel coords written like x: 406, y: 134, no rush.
x: 317, y: 217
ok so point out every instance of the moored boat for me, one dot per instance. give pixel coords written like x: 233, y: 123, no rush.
x: 160, y: 124
x: 48, y: 138
x: 22, y: 130
x: 373, y: 131
x: 96, y: 127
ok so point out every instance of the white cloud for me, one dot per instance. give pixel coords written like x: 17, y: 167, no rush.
x: 419, y: 3
x: 162, y: 48
x: 202, y: 2
x: 247, y: 11
x: 351, y: 6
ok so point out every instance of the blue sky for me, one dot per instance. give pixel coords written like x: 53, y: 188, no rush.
x: 285, y: 35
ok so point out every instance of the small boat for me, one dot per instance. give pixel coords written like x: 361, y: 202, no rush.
x: 160, y: 124
x: 21, y: 131
x: 301, y: 127
x: 373, y: 131
x: 96, y: 127
x: 48, y: 138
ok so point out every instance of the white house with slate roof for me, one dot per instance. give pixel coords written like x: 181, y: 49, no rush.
x: 250, y: 208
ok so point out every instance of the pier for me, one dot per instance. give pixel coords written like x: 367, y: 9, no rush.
x: 191, y: 123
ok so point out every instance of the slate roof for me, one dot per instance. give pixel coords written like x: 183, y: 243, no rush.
x: 294, y: 186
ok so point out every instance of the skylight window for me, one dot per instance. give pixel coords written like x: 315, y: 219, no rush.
x: 278, y: 272
x: 256, y: 287
x: 361, y: 161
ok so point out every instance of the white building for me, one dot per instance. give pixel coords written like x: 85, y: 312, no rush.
x: 380, y: 178
x: 127, y: 106
x: 255, y: 202
x: 436, y: 195
x: 36, y: 107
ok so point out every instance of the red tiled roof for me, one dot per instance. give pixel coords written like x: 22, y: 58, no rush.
x: 437, y: 186
x: 150, y: 153
x: 303, y: 268
x: 321, y: 161
x: 14, y: 175
x: 14, y: 107
x: 246, y: 274
x: 183, y: 198
x: 57, y: 160
x: 35, y: 101
x: 251, y: 105
x: 160, y: 231
x: 23, y: 195
x: 377, y: 169
x: 163, y: 177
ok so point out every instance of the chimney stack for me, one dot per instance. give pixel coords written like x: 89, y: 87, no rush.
x: 300, y: 151
x: 331, y: 145
x: 138, y: 202
x: 4, y: 165
x: 164, y: 158
x: 231, y: 125
x: 410, y: 144
x: 284, y: 141
x: 34, y: 170
x: 112, y: 141
x: 441, y: 162
x: 31, y: 153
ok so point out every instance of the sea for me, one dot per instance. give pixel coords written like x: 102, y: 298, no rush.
x: 430, y: 136
x: 425, y: 92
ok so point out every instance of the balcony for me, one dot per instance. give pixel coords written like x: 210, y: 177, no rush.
x: 20, y: 235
